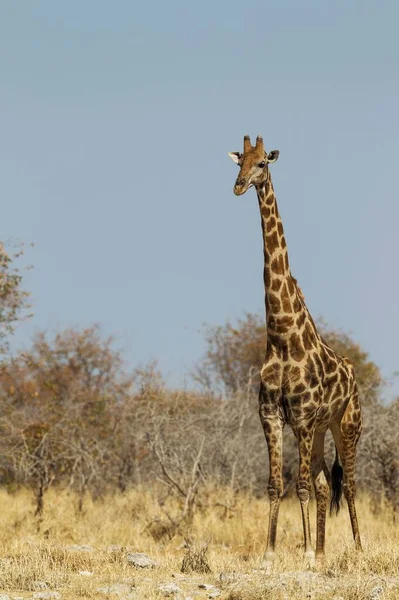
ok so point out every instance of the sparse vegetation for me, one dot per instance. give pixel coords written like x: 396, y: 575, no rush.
x: 77, y: 555
x: 97, y: 461
x: 72, y: 416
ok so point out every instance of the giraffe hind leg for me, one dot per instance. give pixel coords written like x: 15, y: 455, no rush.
x: 336, y: 485
x: 346, y: 435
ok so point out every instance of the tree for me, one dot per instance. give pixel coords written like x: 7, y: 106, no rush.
x: 234, y: 353
x: 13, y: 299
x: 57, y: 404
x: 34, y: 455
x: 378, y: 453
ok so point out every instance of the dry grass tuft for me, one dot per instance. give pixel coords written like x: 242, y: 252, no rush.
x: 196, y: 561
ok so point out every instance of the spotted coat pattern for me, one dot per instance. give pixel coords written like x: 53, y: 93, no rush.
x: 304, y: 383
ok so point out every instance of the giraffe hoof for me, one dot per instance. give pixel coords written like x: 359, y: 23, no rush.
x: 268, y: 557
x: 267, y: 563
x: 310, y: 557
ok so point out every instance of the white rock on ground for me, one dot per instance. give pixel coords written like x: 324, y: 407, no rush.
x: 213, y: 591
x: 117, y: 589
x: 138, y: 559
x: 47, y: 595
x: 376, y: 592
x: 169, y: 589
x: 39, y: 585
x: 114, y: 548
x: 80, y: 548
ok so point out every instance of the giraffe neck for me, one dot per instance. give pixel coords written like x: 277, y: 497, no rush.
x: 282, y: 298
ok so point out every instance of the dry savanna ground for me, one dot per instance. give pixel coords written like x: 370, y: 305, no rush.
x: 87, y: 555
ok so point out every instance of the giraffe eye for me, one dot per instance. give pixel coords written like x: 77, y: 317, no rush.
x: 262, y: 164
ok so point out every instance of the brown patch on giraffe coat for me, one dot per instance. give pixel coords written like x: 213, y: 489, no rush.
x: 301, y: 319
x: 267, y: 276
x: 271, y: 223
x: 280, y: 228
x: 339, y: 391
x: 293, y: 373
x: 286, y: 256
x: 309, y: 411
x: 342, y: 371
x: 296, y: 305
x: 308, y: 337
x: 285, y: 351
x: 272, y: 242
x: 267, y: 189
x: 273, y: 337
x: 298, y: 389
x: 276, y: 284
x: 270, y: 199
x: 330, y: 365
x: 285, y: 299
x: 291, y: 285
x: 265, y: 210
x: 271, y: 373
x: 267, y: 426
x: 345, y: 388
x: 297, y: 404
x: 277, y: 264
x: 311, y: 375
x: 319, y: 364
x: 282, y: 324
x: 275, y: 305
x: 297, y: 351
x: 331, y: 379
x: 295, y: 401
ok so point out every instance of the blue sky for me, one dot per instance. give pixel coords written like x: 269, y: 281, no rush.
x: 116, y: 120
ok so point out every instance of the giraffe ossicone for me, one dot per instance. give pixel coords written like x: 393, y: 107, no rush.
x: 304, y: 383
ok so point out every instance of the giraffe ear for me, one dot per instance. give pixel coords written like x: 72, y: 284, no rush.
x: 235, y: 156
x: 273, y: 156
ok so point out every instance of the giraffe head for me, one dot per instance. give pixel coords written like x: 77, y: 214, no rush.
x: 253, y: 163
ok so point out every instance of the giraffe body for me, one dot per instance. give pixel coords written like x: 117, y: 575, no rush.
x: 304, y: 383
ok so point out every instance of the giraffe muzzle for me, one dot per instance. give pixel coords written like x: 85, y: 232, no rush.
x: 240, y: 187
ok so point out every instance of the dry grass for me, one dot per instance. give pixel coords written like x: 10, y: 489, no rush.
x: 235, y: 540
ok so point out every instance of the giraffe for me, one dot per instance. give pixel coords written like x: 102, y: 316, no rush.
x: 304, y: 383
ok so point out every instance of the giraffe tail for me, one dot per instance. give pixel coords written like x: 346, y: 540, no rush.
x: 336, y: 485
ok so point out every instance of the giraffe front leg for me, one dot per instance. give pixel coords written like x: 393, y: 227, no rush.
x: 305, y: 442
x: 321, y: 482
x: 273, y: 429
